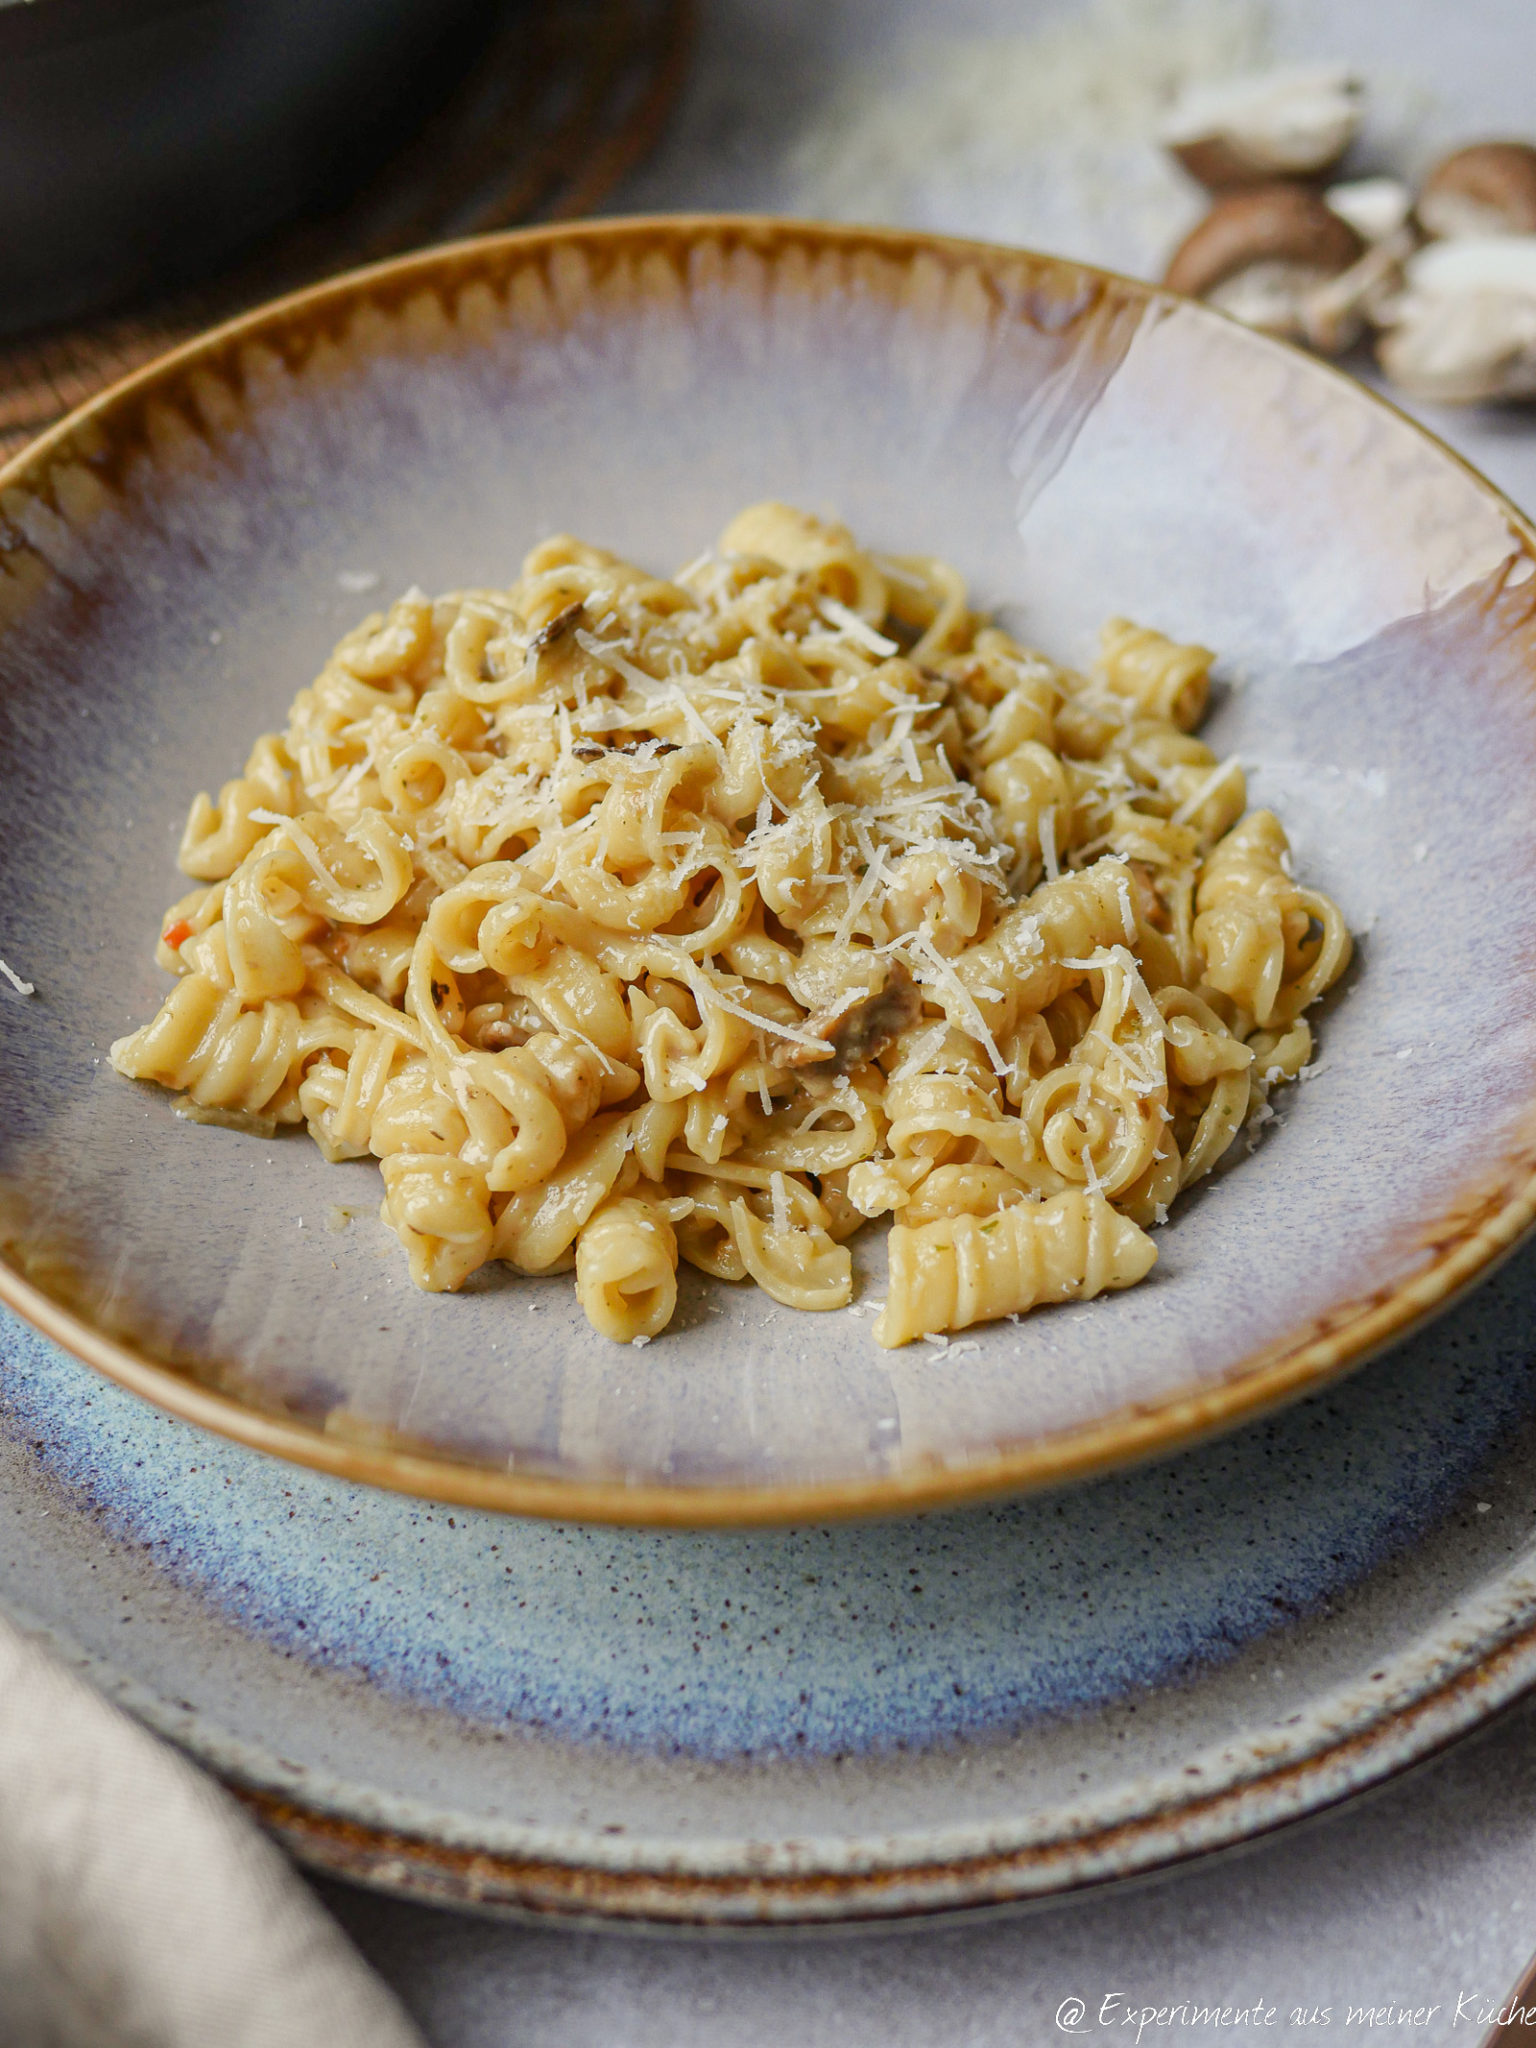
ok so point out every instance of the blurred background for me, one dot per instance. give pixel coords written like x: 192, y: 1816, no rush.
x: 165, y: 163
x: 168, y: 162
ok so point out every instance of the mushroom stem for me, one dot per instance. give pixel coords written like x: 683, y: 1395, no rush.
x: 1260, y: 254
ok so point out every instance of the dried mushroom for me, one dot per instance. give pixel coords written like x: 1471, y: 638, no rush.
x: 1487, y: 189
x: 1378, y: 209
x: 1463, y: 329
x: 1261, y: 255
x: 862, y: 1031
x: 1291, y: 123
x: 556, y: 628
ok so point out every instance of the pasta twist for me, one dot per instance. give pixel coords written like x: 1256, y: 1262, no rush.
x: 1270, y: 945
x: 219, y: 836
x: 968, y: 1269
x: 626, y: 1270
x: 1161, y: 678
x: 223, y: 1056
x: 439, y: 1208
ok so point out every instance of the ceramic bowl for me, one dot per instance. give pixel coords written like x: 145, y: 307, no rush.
x: 176, y: 559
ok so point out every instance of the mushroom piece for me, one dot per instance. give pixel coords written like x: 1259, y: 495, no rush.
x: 1291, y: 123
x: 1335, y: 314
x: 556, y: 628
x: 1486, y: 189
x: 1260, y: 255
x: 860, y: 1031
x: 1463, y: 329
x: 1376, y: 208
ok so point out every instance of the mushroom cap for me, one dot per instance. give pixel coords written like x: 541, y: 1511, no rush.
x: 1220, y: 164
x: 1487, y: 188
x: 1266, y: 224
x: 1295, y: 122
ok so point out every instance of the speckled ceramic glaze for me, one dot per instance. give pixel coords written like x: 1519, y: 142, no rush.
x: 758, y: 1727
x: 169, y: 568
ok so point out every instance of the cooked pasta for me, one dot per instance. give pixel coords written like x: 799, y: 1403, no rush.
x: 626, y: 920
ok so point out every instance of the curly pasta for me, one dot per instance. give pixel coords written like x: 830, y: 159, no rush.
x: 626, y: 920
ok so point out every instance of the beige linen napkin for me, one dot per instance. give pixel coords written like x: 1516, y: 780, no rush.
x: 140, y: 1907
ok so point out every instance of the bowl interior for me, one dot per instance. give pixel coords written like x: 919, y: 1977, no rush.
x: 174, y: 570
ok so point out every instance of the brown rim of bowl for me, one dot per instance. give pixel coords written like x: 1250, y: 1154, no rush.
x: 1480, y: 1226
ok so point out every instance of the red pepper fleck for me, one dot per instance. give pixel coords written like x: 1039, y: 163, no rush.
x: 176, y: 936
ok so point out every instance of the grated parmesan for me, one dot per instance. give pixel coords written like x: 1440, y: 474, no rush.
x: 1045, y: 135
x: 1206, y: 789
x: 1048, y: 843
x: 856, y: 628
x: 921, y: 954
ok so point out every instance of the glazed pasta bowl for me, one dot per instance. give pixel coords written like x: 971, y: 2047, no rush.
x: 668, y: 924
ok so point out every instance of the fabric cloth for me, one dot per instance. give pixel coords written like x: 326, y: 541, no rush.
x: 140, y: 1907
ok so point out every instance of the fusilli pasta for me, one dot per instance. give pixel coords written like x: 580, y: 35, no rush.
x: 626, y: 920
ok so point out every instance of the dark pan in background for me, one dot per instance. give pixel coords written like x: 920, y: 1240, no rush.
x: 165, y: 164
x: 145, y: 142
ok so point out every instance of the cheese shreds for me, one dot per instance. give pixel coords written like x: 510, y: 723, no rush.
x: 22, y: 988
x: 874, y: 874
x: 856, y: 628
x: 304, y: 845
x: 1195, y: 802
x: 842, y: 1100
x: 1127, y: 913
x: 921, y: 1052
x: 761, y: 1023
x: 1034, y: 127
x: 615, y: 658
x: 942, y: 978
x: 1048, y: 843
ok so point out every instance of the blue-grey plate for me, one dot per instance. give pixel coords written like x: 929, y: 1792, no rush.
x: 833, y: 1723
